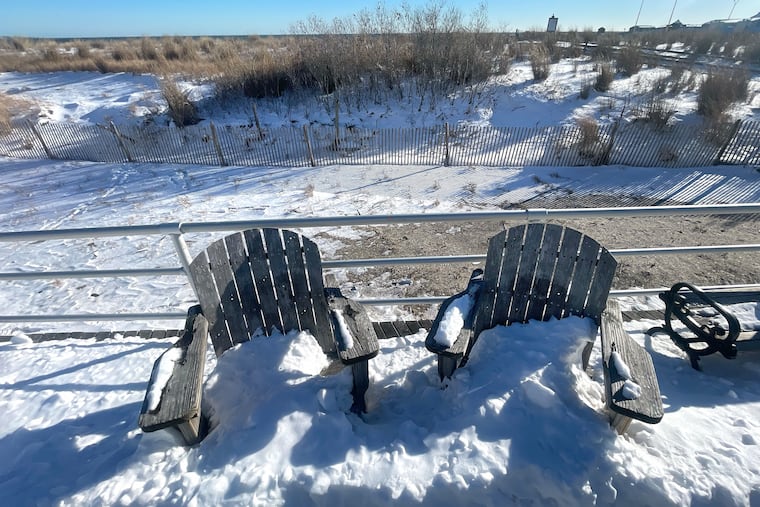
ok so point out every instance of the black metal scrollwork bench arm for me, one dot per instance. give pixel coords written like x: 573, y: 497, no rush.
x: 705, y: 335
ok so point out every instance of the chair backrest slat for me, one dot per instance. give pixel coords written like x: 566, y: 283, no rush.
x: 281, y: 279
x: 322, y: 320
x: 500, y: 279
x: 523, y: 289
x: 301, y: 291
x: 224, y: 279
x: 540, y: 271
x: 246, y: 289
x: 260, y: 280
x: 547, y: 261
x: 257, y: 257
x: 205, y: 289
x: 563, y: 273
x: 582, y: 275
x: 487, y: 297
x: 600, y: 287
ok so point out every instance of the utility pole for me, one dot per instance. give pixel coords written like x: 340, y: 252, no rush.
x: 639, y: 14
x: 671, y: 14
x: 732, y: 9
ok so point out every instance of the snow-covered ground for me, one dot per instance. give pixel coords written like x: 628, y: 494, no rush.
x: 521, y: 424
x: 512, y: 99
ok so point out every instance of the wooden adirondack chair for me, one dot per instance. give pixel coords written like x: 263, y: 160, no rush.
x: 248, y: 283
x: 540, y: 271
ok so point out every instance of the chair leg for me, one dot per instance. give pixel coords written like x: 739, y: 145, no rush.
x: 446, y: 366
x: 360, y: 373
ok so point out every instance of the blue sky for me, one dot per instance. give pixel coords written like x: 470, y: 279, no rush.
x: 99, y: 18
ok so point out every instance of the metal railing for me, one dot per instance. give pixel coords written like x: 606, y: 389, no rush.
x: 177, y: 231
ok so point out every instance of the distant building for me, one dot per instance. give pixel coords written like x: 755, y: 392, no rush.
x: 552, y: 26
x: 642, y: 28
x: 729, y: 25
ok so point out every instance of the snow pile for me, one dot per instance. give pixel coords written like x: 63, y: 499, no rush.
x: 520, y: 423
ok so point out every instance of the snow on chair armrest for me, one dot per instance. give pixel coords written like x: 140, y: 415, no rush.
x: 173, y: 395
x: 631, y: 387
x: 354, y: 333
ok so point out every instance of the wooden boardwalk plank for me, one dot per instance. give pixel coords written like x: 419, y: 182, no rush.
x: 379, y: 331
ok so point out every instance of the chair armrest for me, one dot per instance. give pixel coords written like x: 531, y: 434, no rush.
x: 362, y: 334
x: 180, y: 395
x: 647, y: 406
x: 466, y: 334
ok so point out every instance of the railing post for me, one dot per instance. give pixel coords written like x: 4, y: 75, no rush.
x: 120, y: 140
x: 308, y: 145
x: 180, y: 246
x: 217, y: 146
x: 44, y: 145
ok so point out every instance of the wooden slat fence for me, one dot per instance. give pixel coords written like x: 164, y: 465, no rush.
x: 629, y: 143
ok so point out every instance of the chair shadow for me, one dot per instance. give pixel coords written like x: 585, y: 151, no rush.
x: 45, y: 466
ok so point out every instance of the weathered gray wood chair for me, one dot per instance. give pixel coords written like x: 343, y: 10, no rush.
x: 539, y: 271
x: 248, y: 283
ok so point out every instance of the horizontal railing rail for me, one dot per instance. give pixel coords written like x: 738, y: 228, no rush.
x: 178, y: 230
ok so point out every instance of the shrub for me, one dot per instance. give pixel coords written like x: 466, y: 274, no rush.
x: 703, y: 41
x: 10, y: 107
x: 719, y: 90
x: 121, y: 54
x: 51, y: 54
x: 171, y: 51
x: 5, y: 115
x: 605, y: 77
x: 83, y: 50
x: 752, y: 53
x: 588, y: 146
x: 181, y: 109
x: 658, y: 112
x: 18, y: 44
x: 586, y: 86
x: 540, y: 63
x: 148, y: 49
x: 629, y: 60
